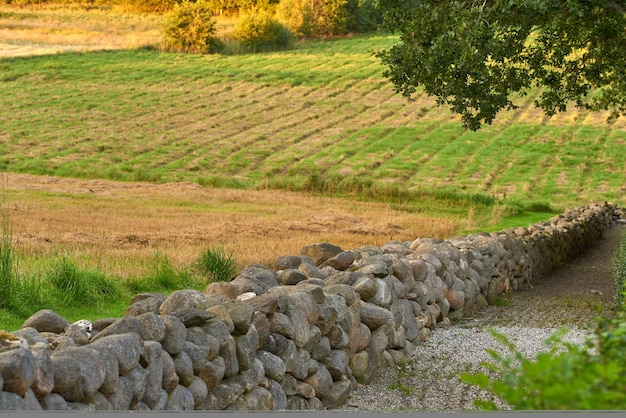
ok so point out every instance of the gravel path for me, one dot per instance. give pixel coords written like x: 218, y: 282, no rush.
x: 569, y: 296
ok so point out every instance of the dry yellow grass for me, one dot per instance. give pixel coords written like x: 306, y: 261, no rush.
x: 116, y: 227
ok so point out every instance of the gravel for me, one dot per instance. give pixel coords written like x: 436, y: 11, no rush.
x: 570, y: 296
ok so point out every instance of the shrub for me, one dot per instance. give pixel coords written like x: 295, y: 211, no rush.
x: 618, y: 269
x: 163, y: 275
x: 8, y: 280
x: 189, y: 27
x: 216, y: 264
x: 258, y: 31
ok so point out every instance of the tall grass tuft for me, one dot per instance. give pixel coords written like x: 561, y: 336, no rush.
x: 8, y: 280
x: 163, y: 276
x: 216, y: 264
x: 81, y: 286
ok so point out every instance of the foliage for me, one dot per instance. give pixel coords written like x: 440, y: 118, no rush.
x: 258, y: 31
x: 618, y: 269
x: 314, y: 18
x: 216, y: 264
x: 473, y: 56
x: 189, y: 27
x: 149, y: 5
x: 81, y: 286
x: 163, y: 275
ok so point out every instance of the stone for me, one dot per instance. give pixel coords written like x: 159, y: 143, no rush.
x: 383, y: 296
x: 175, y: 334
x: 180, y: 399
x: 365, y: 287
x: 121, y: 399
x: 304, y: 302
x: 46, y: 320
x: 44, y: 372
x: 456, y: 299
x: 246, y: 346
x: 263, y: 274
x: 169, y: 377
x: 79, y: 332
x: 287, y: 262
x: 78, y: 373
x: 290, y: 277
x: 124, y: 325
x: 281, y: 324
x: 263, y: 327
x: 337, y: 364
x: 18, y: 369
x: 360, y: 366
x: 328, y: 316
x: 199, y: 391
x: 196, y: 354
x: 110, y: 364
x: 338, y: 395
x: 283, y: 348
x: 269, y: 302
x: 320, y: 252
x: 258, y: 399
x: 365, y: 336
x: 241, y: 314
x: 321, y: 350
x: 222, y: 315
x: 151, y: 359
x: 10, y: 401
x: 227, y: 392
x: 183, y: 368
x: 145, y: 302
x: 99, y: 402
x: 312, y: 271
x: 53, y: 402
x: 341, y: 261
x: 205, y: 342
x: 304, y: 390
x: 229, y: 354
x: 278, y: 395
x: 127, y: 348
x: 273, y: 365
x: 321, y: 381
x: 192, y: 317
x: 337, y: 337
x: 218, y: 330
x: 213, y: 372
x: 30, y: 335
x: 374, y: 316
x: 151, y: 327
x: 181, y: 300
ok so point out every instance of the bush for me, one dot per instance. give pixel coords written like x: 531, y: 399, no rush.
x: 618, y: 269
x: 216, y: 264
x: 258, y: 31
x: 189, y: 27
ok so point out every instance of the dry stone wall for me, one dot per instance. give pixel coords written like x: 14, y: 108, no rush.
x: 299, y: 336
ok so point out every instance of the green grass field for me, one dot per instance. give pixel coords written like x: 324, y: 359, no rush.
x: 276, y: 119
x: 320, y: 118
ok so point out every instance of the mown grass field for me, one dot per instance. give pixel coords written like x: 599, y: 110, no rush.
x: 302, y: 145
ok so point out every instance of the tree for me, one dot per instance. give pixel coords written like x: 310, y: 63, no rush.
x: 474, y: 55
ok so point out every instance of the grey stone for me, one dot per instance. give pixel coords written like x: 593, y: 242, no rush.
x: 151, y: 327
x: 169, y: 378
x: 312, y: 272
x: 290, y: 277
x: 197, y: 355
x: 283, y: 348
x: 320, y: 252
x: 110, y: 364
x: 99, y: 402
x: 227, y: 392
x: 272, y: 364
x: 278, y: 394
x: 328, y: 316
x: 10, y: 401
x: 78, y: 373
x: 31, y: 335
x: 124, y: 325
x: 18, y: 368
x: 127, y: 348
x: 184, y: 368
x: 281, y: 324
x: 180, y: 399
x: 121, y: 399
x: 246, y: 346
x: 287, y: 262
x: 181, y: 300
x: 213, y: 372
x: 205, y: 342
x: 175, y: 334
x: 321, y: 350
x: 44, y: 372
x: 229, y: 354
x: 341, y: 261
x: 263, y: 327
x: 199, y: 391
x: 152, y: 360
x: 338, y: 394
x: 32, y: 404
x: 241, y: 314
x: 54, y: 402
x: 374, y: 316
x: 365, y: 287
x: 192, y: 317
x: 383, y: 296
x: 337, y: 364
x: 321, y: 381
x: 46, y: 320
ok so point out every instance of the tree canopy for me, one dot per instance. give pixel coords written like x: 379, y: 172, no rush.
x: 474, y: 55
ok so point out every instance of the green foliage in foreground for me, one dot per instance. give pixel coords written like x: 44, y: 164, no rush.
x: 567, y: 376
x: 259, y: 31
x: 618, y: 269
x: 74, y: 292
x: 189, y: 27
